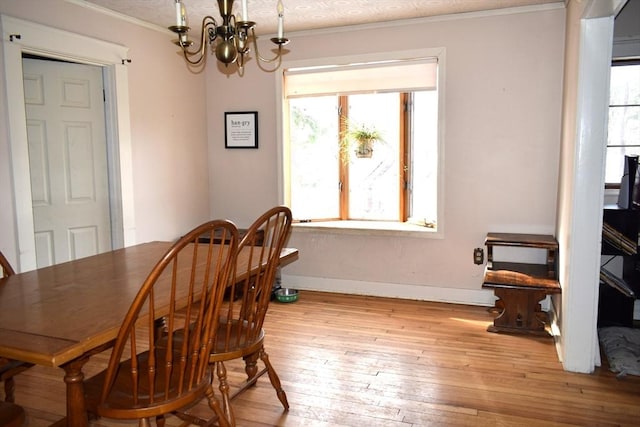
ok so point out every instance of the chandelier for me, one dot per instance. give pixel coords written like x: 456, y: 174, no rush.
x: 230, y: 40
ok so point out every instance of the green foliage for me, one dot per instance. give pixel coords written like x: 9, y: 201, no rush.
x: 362, y: 133
x: 358, y: 136
x: 303, y: 121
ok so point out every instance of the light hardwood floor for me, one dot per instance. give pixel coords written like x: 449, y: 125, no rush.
x: 363, y: 361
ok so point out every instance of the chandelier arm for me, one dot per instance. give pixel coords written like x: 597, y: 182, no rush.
x: 207, y: 23
x: 275, y: 67
x: 261, y: 60
x: 278, y: 56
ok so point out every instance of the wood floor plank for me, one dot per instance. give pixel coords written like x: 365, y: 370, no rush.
x: 348, y: 360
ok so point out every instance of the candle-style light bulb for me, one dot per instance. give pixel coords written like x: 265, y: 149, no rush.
x: 181, y: 14
x: 178, y: 13
x: 245, y: 11
x: 280, y: 19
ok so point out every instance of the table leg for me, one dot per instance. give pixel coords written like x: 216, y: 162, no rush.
x: 76, y: 408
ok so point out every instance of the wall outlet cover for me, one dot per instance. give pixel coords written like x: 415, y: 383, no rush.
x: 478, y: 256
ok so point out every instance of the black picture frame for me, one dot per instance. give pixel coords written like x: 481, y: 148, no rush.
x: 241, y: 129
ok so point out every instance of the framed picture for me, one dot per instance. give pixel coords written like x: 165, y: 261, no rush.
x: 241, y: 129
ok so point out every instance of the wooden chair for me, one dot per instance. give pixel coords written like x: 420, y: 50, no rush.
x: 149, y: 377
x: 7, y: 270
x: 11, y: 415
x: 9, y: 368
x: 240, y: 333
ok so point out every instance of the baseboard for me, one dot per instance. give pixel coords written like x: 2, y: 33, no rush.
x: 480, y: 297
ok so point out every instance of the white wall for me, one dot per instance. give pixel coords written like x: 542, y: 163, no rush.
x: 502, y: 142
x: 168, y: 123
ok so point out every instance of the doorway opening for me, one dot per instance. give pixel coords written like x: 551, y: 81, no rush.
x: 43, y: 41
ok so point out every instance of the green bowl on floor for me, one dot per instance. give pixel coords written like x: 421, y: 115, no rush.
x: 286, y: 295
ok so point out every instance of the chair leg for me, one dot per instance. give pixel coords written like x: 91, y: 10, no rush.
x: 9, y: 390
x: 224, y: 420
x: 221, y: 370
x: 275, y: 380
x: 251, y: 365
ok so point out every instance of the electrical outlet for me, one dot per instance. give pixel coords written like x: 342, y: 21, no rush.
x: 478, y: 256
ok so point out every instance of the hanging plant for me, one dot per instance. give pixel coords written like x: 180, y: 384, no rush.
x: 361, y: 138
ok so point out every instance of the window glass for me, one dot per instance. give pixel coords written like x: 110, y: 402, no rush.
x: 315, y: 160
x: 374, y: 186
x: 624, y: 119
x: 423, y: 184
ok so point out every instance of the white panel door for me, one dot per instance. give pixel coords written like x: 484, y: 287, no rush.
x: 68, y: 159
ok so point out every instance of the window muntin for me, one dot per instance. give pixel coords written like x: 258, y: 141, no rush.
x: 415, y: 143
x: 624, y: 118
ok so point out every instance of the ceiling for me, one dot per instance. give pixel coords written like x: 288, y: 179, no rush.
x: 302, y: 15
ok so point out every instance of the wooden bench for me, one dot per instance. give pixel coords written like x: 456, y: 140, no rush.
x: 520, y: 287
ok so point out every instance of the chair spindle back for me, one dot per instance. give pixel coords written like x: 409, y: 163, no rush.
x: 165, y: 374
x: 250, y: 292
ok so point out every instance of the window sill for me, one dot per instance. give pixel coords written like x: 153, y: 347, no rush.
x: 369, y: 228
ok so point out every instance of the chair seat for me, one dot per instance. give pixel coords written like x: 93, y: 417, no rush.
x: 11, y: 415
x: 120, y: 402
x: 238, y: 341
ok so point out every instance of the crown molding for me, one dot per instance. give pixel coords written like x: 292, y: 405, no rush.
x: 431, y: 19
x: 118, y: 15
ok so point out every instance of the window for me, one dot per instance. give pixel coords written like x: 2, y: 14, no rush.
x: 624, y: 118
x: 330, y: 178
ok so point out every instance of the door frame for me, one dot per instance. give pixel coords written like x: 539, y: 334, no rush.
x: 27, y: 37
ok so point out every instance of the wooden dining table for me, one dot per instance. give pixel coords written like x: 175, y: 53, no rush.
x: 63, y: 314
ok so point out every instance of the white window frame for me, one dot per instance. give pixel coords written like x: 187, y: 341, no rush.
x: 390, y: 228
